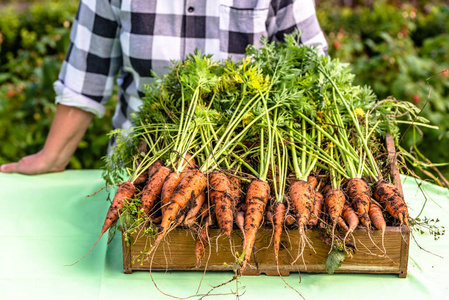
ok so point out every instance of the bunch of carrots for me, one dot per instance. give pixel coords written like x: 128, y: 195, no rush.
x: 281, y: 137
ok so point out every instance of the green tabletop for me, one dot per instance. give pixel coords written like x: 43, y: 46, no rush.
x: 48, y: 223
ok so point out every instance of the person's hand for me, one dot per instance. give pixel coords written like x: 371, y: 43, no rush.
x: 67, y: 130
x: 34, y: 164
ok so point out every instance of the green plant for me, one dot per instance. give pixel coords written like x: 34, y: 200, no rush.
x: 33, y: 41
x: 397, y: 49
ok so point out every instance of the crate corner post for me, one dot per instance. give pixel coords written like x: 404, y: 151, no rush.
x: 127, y: 267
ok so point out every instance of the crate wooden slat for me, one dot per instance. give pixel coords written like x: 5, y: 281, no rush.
x: 368, y: 257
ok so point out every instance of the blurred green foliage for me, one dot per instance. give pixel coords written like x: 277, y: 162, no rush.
x: 396, y: 48
x: 33, y: 41
x: 401, y: 50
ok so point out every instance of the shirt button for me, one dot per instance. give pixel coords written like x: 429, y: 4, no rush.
x: 191, y: 9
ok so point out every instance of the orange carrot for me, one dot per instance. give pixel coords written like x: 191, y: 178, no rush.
x: 351, y: 218
x: 153, y: 188
x: 168, y: 187
x: 194, y: 210
x: 278, y: 222
x: 359, y: 194
x: 317, y: 208
x: 256, y: 200
x: 391, y: 199
x: 141, y: 179
x: 269, y: 214
x: 302, y: 196
x: 240, y: 219
x: 220, y: 195
x: 189, y: 162
x: 377, y: 218
x: 236, y: 193
x: 342, y: 224
x: 154, y: 167
x: 326, y: 189
x: 204, y: 212
x: 190, y: 186
x: 202, y: 240
x: 173, y: 180
x: 289, y: 220
x: 124, y: 193
x: 313, y: 181
x: 180, y: 218
x: 334, y: 202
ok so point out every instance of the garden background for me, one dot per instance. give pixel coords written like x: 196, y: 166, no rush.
x: 399, y: 49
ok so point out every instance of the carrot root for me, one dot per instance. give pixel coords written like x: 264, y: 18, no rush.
x: 168, y: 187
x: 189, y: 187
x: 317, y: 209
x: 391, y: 199
x: 279, y: 210
x: 351, y: 219
x: 256, y: 200
x: 202, y: 240
x: 153, y: 188
x: 377, y: 219
x: 334, y: 202
x: 220, y: 188
x: 359, y: 194
x: 302, y: 198
x: 192, y: 214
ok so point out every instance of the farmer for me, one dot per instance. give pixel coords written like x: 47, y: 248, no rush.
x: 128, y: 40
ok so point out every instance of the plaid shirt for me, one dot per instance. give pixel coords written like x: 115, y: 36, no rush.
x: 127, y: 39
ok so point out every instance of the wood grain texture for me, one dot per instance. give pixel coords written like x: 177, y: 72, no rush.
x: 177, y: 253
x: 394, y: 172
x: 393, y: 162
x: 126, y: 250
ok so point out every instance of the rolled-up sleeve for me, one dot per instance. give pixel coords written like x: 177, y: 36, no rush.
x: 93, y: 59
x: 292, y: 15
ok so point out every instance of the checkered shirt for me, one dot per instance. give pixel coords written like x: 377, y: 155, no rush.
x: 124, y: 40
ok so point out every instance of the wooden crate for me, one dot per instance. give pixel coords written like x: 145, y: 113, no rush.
x: 368, y: 257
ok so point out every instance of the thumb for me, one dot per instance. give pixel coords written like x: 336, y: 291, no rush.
x: 31, y: 165
x: 9, y: 168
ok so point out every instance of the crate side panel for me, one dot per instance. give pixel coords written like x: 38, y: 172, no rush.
x: 177, y: 252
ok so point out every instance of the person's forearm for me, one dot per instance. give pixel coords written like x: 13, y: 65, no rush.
x: 67, y: 130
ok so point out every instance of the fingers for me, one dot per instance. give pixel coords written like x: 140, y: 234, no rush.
x: 31, y: 165
x: 9, y: 168
x: 21, y: 167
